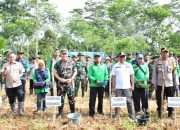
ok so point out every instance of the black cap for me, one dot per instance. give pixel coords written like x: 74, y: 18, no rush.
x: 129, y: 53
x: 97, y: 55
x: 121, y: 54
x: 33, y: 58
x: 20, y: 52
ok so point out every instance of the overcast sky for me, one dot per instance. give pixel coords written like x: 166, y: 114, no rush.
x: 64, y: 6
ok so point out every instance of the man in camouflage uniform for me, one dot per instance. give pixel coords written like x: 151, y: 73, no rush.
x: 81, y: 75
x: 164, y: 77
x: 65, y: 72
x: 88, y: 63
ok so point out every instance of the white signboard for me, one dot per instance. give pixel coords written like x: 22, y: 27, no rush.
x: 173, y: 101
x: 118, y: 102
x: 0, y: 101
x: 53, y: 101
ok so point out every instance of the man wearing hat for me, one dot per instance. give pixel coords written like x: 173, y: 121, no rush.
x: 150, y: 66
x: 33, y: 66
x: 109, y: 67
x: 98, y: 76
x: 65, y: 72
x: 88, y: 63
x: 73, y: 58
x: 129, y: 58
x: 81, y: 74
x: 163, y: 79
x: 123, y: 83
x: 141, y: 76
x: 25, y: 64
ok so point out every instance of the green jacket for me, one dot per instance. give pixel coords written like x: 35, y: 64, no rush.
x: 178, y: 70
x: 130, y: 61
x: 97, y: 72
x: 42, y: 90
x: 140, y: 75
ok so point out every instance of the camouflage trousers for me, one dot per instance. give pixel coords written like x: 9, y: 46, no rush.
x: 62, y: 91
x: 83, y: 86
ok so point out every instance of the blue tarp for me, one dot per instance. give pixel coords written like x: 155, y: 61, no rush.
x: 91, y: 54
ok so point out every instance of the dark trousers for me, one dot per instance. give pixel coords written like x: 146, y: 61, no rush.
x: 92, y: 100
x: 168, y: 91
x: 23, y: 88
x: 140, y: 94
x: 31, y: 83
x: 12, y: 93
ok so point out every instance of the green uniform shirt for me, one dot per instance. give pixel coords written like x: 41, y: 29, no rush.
x: 130, y: 61
x: 42, y: 90
x: 81, y: 69
x: 140, y: 75
x: 97, y: 72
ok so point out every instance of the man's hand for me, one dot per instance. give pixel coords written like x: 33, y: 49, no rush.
x: 154, y: 86
x: 69, y: 81
x: 132, y: 88
x: 63, y: 80
x: 15, y: 79
x: 97, y: 82
x: 139, y: 82
x: 114, y: 90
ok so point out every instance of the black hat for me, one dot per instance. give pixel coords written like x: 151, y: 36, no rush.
x: 20, y: 52
x: 97, y: 55
x: 121, y: 54
x: 80, y: 54
x: 73, y: 56
x: 33, y: 58
x: 129, y: 53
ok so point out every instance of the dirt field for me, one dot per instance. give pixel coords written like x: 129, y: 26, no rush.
x: 44, y: 121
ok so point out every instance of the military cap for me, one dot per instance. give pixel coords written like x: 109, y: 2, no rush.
x: 80, y: 54
x: 64, y: 51
x: 164, y: 50
x: 97, y: 55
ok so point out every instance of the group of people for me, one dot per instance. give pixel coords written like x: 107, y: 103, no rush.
x: 133, y: 78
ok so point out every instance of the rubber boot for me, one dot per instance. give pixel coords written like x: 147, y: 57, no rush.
x: 20, y: 108
x: 12, y: 108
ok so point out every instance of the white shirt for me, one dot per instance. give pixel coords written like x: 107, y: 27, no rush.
x: 14, y: 70
x: 33, y: 67
x: 122, y: 73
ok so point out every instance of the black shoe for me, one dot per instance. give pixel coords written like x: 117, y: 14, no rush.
x: 159, y: 114
x: 170, y: 114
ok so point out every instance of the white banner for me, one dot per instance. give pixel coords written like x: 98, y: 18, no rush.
x: 118, y: 102
x: 173, y: 101
x: 53, y: 101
